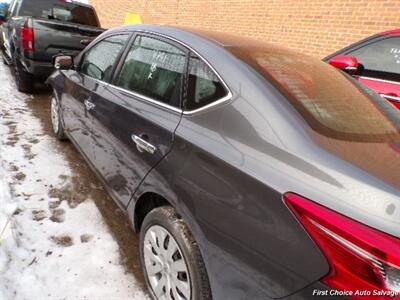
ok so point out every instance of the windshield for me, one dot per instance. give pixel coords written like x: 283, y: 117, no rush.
x: 59, y: 10
x: 331, y: 102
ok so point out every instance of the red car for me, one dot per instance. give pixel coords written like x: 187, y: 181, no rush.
x: 374, y: 61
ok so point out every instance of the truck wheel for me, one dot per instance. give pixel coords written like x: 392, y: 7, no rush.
x: 25, y: 81
x: 56, y: 118
x: 3, y: 57
x: 171, y: 260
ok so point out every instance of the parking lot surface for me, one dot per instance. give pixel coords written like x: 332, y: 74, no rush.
x: 61, y: 236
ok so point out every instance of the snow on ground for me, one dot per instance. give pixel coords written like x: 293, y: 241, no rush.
x: 49, y: 249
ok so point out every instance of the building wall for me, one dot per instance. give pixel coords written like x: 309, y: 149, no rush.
x: 316, y: 27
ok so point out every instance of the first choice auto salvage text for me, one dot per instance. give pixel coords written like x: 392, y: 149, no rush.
x: 372, y: 293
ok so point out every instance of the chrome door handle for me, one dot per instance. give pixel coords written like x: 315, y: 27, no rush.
x: 89, y: 105
x: 143, y: 145
x: 392, y: 98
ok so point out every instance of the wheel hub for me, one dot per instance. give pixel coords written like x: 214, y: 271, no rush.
x: 166, y: 268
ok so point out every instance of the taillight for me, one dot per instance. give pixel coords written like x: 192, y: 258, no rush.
x: 27, y: 38
x: 363, y: 261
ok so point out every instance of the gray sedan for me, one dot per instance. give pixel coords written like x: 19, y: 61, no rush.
x: 251, y: 171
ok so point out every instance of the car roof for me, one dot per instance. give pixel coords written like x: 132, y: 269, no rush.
x: 224, y: 39
x: 220, y: 39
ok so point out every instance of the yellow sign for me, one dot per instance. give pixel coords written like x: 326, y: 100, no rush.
x: 131, y: 18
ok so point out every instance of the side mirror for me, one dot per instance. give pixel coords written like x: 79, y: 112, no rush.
x: 63, y: 62
x: 348, y: 64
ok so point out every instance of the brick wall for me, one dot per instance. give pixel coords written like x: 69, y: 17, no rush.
x: 316, y: 27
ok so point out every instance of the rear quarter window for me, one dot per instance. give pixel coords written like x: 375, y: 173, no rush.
x: 204, y: 86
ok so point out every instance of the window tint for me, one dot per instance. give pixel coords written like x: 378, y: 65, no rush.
x: 204, y: 86
x: 99, y: 61
x: 382, y: 56
x: 331, y: 102
x: 154, y: 68
x: 59, y: 10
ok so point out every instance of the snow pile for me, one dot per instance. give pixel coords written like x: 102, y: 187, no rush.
x: 50, y: 249
x: 7, y: 209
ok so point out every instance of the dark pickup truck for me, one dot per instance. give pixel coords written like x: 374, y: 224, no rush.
x: 33, y: 31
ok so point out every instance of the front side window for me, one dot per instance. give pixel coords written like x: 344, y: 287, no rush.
x: 154, y: 68
x: 204, y: 86
x: 99, y: 61
x: 380, y: 56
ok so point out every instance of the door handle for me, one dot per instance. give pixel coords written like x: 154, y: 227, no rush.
x: 89, y: 105
x: 143, y: 145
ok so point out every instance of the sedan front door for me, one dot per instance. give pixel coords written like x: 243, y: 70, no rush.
x: 84, y: 85
x: 136, y: 116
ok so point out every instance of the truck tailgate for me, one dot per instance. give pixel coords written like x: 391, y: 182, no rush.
x: 53, y: 37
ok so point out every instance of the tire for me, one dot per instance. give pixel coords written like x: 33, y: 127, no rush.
x: 24, y: 80
x: 4, y: 60
x: 182, y: 272
x: 3, y: 57
x: 56, y: 118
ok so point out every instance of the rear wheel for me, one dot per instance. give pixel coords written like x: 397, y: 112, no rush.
x: 171, y: 259
x: 24, y: 80
x: 56, y: 121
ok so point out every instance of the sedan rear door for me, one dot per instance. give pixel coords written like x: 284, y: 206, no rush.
x: 135, y: 118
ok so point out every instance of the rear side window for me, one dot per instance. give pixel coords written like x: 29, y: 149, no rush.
x: 59, y: 10
x: 154, y: 69
x: 381, y: 56
x: 98, y: 62
x: 204, y: 85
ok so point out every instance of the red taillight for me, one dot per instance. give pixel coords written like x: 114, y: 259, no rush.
x: 27, y: 38
x: 362, y: 260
